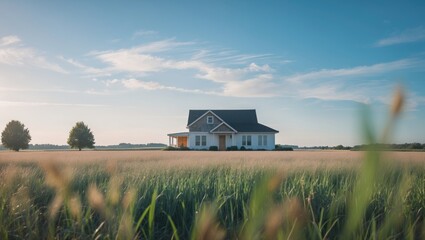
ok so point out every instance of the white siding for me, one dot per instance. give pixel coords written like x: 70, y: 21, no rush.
x: 254, y: 140
x: 211, y: 140
x: 236, y: 139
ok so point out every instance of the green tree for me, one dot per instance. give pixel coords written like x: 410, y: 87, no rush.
x: 81, y: 136
x: 340, y: 147
x: 15, y: 136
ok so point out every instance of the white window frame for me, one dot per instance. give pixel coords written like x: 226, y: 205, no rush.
x: 203, y: 140
x: 197, y: 140
x: 210, y: 120
x: 262, y: 140
x: 246, y: 140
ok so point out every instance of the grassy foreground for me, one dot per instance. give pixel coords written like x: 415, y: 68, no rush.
x: 148, y: 200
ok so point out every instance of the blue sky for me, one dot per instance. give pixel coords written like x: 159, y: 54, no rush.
x: 132, y: 71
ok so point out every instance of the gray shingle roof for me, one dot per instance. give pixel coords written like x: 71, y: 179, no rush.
x: 244, y: 120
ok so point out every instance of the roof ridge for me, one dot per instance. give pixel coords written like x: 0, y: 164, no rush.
x: 238, y: 109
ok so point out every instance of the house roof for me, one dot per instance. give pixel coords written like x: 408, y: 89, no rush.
x: 242, y: 120
x: 178, y: 134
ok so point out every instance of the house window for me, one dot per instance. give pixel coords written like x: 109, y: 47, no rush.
x: 204, y: 141
x: 262, y: 140
x: 246, y: 140
x: 200, y: 140
x: 210, y: 120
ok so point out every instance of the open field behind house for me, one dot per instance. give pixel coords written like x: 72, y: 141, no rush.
x: 195, y: 159
x: 200, y: 194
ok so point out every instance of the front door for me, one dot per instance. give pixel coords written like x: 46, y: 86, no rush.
x: 222, y: 142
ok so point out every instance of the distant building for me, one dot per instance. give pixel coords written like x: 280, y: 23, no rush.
x: 224, y: 128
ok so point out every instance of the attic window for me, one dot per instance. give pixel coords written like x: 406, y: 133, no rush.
x: 210, y: 120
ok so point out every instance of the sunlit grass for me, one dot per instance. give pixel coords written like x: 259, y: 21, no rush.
x: 87, y: 200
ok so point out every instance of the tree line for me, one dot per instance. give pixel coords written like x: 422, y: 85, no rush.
x: 393, y: 146
x: 16, y: 137
x: 381, y: 146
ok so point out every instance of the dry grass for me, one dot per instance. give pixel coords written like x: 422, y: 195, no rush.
x: 166, y: 195
x: 329, y: 159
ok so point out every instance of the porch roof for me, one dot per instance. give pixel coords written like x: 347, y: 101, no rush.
x: 178, y: 134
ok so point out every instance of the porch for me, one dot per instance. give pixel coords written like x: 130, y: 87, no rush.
x: 179, y: 139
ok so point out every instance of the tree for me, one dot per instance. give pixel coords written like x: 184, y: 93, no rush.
x: 81, y: 136
x: 339, y: 147
x: 15, y: 136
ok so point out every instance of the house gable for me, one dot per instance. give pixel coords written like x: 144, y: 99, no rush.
x: 201, y: 125
x: 223, y: 128
x: 244, y: 120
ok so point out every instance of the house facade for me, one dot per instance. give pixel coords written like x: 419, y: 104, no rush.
x: 224, y: 129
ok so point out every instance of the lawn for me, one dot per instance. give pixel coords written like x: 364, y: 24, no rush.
x: 212, y: 195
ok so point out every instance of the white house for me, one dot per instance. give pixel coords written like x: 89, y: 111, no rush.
x: 224, y: 128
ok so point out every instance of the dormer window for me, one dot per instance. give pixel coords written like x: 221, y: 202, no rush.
x: 210, y: 120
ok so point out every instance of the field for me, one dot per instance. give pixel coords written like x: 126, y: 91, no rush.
x: 212, y: 195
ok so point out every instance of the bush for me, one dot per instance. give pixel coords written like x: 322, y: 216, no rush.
x: 242, y: 148
x: 232, y: 148
x: 181, y: 148
x: 279, y: 147
x: 170, y: 148
x: 213, y: 148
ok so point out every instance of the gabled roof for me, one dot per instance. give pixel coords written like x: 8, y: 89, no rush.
x: 229, y: 128
x: 242, y: 120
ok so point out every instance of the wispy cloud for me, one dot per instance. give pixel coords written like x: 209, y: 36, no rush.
x: 331, y: 92
x: 9, y: 40
x: 14, y: 54
x: 6, y: 89
x: 233, y: 74
x: 249, y: 80
x: 355, y: 71
x: 407, y: 36
x: 145, y: 58
x: 40, y: 104
x: 149, y: 85
x: 231, y: 57
x: 91, y: 71
x: 259, y: 86
x: 223, y: 75
x: 152, y: 47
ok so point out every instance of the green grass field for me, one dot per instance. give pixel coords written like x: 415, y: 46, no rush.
x: 204, y: 195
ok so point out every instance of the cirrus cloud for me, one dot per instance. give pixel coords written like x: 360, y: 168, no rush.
x: 14, y: 54
x: 407, y: 36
